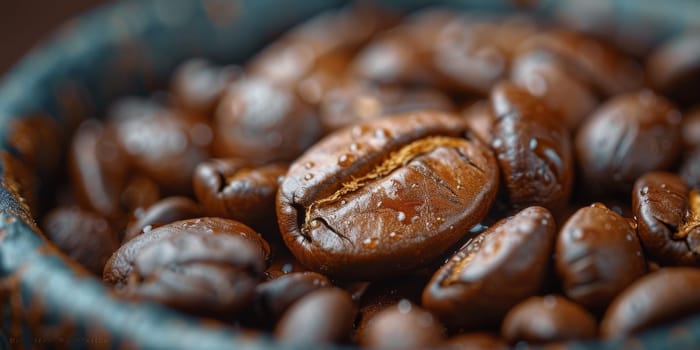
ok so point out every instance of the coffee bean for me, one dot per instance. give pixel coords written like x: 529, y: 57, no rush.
x: 385, y: 196
x: 532, y: 147
x: 384, y: 294
x: 547, y: 319
x: 84, y: 236
x: 404, y: 326
x: 403, y: 55
x: 159, y: 143
x: 324, y: 316
x: 239, y: 189
x: 493, y: 271
x: 198, y: 84
x: 473, y: 54
x: 674, y: 68
x: 199, y: 272
x: 274, y: 297
x: 121, y: 263
x: 656, y: 299
x: 97, y: 169
x: 626, y: 137
x: 597, y: 255
x: 161, y: 213
x: 289, y: 59
x: 259, y: 121
x: 543, y: 76
x: 598, y: 64
x: 668, y: 218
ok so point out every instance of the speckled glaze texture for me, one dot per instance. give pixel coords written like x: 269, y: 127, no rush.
x: 132, y: 46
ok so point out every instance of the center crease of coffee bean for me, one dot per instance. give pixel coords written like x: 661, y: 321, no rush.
x: 395, y: 160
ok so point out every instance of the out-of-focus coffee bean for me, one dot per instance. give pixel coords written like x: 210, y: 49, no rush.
x: 404, y: 326
x: 656, y: 299
x: 321, y: 317
x: 626, y: 137
x: 84, y: 236
x: 547, y: 319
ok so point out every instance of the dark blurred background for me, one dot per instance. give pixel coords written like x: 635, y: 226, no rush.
x: 24, y: 23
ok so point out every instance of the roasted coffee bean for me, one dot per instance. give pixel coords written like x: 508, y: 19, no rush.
x: 84, y: 236
x: 658, y: 298
x: 289, y: 59
x: 160, y: 144
x: 239, y: 189
x: 533, y: 149
x: 385, y: 196
x: 384, y: 294
x: 199, y: 272
x: 674, y: 68
x: 476, y: 341
x: 274, y: 297
x: 596, y: 63
x: 597, y: 255
x: 354, y: 103
x: 493, y: 271
x: 542, y: 76
x: 404, y: 326
x: 97, y: 169
x: 403, y: 55
x: 547, y: 319
x: 324, y: 316
x: 474, y: 54
x: 165, y: 211
x: 480, y: 118
x: 259, y: 121
x: 668, y: 218
x: 626, y: 137
x: 121, y: 263
x: 198, y: 84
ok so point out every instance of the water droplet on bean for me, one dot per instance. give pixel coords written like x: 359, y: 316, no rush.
x: 309, y: 165
x: 404, y: 306
x: 308, y: 176
x: 346, y: 159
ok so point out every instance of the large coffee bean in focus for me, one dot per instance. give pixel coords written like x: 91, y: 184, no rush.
x: 386, y: 196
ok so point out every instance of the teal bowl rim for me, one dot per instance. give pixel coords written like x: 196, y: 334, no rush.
x: 42, y: 292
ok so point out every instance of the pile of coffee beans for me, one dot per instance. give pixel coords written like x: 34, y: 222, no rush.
x: 438, y: 180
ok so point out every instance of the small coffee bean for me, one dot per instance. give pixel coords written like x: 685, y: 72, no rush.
x: 655, y: 299
x: 626, y: 137
x: 82, y: 235
x: 404, y: 326
x: 597, y: 255
x: 547, y: 319
x: 533, y: 149
x: 323, y: 316
x: 668, y: 218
